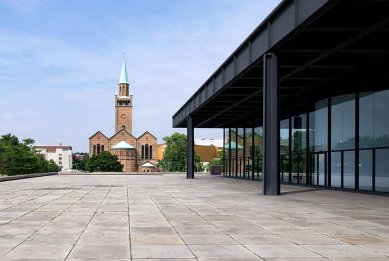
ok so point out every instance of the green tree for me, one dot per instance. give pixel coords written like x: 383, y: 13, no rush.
x: 174, y: 158
x: 20, y: 158
x: 52, y: 166
x: 104, y: 161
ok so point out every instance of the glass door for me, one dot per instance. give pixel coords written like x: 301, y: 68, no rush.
x: 318, y: 169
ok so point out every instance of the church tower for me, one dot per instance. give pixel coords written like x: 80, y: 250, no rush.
x: 123, y: 103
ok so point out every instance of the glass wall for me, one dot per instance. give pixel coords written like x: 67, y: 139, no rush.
x: 349, y: 169
x: 373, y: 119
x: 299, y: 144
x: 365, y: 170
x: 249, y: 153
x: 240, y: 151
x: 284, y: 150
x: 336, y: 169
x: 233, y: 150
x: 322, y: 146
x: 319, y: 126
x: 226, y: 150
x: 382, y: 170
x: 258, y: 153
x: 343, y: 122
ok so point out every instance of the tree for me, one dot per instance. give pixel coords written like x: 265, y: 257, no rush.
x: 20, y: 158
x: 174, y: 158
x: 104, y: 161
x: 52, y: 166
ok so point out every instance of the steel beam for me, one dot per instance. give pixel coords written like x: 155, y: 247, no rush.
x: 271, y: 126
x: 190, y: 148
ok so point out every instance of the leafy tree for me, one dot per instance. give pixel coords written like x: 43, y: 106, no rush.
x: 52, y: 166
x: 216, y: 161
x: 20, y: 158
x: 104, y: 161
x: 174, y: 158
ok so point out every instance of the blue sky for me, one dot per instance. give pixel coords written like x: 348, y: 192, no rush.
x: 60, y: 61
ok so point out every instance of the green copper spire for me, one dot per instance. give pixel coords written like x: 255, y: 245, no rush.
x: 123, y: 74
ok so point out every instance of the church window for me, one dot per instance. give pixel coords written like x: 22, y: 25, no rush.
x: 102, y: 148
x: 147, y: 151
x: 98, y: 148
x: 143, y: 151
x: 151, y: 152
x: 94, y: 149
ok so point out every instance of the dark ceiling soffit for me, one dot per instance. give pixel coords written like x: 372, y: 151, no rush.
x: 285, y: 18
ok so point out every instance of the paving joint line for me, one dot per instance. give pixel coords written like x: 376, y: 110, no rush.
x: 178, y: 234
x: 82, y: 232
x: 36, y: 231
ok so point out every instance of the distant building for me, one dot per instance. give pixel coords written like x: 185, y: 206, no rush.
x: 60, y: 154
x: 136, y: 154
x: 207, y: 149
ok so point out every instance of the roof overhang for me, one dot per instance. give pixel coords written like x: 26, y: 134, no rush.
x: 323, y: 47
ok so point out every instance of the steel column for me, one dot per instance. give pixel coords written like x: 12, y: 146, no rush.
x: 190, y: 148
x: 271, y: 126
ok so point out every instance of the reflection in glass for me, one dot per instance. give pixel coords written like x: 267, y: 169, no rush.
x: 382, y: 170
x: 284, y: 150
x: 381, y: 123
x: 373, y: 119
x: 226, y: 151
x: 321, y: 172
x: 320, y: 126
x: 365, y: 170
x: 258, y: 153
x: 299, y: 125
x: 349, y: 169
x: 343, y: 122
x: 249, y: 152
x: 233, y: 152
x: 336, y: 169
x: 240, y: 150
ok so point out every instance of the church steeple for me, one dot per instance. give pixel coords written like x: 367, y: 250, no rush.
x: 123, y: 103
x: 123, y: 73
x: 124, y: 87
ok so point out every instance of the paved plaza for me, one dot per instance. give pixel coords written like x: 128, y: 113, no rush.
x: 166, y: 217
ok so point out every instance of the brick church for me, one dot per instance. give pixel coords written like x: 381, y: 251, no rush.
x: 136, y: 154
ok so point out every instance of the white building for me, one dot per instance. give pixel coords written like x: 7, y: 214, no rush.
x: 61, y: 155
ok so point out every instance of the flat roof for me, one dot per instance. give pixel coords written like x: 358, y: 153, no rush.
x: 322, y: 47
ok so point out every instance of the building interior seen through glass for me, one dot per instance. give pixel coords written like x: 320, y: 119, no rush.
x: 342, y: 142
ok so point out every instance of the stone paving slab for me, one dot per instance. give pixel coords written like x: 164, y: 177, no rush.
x: 166, y: 217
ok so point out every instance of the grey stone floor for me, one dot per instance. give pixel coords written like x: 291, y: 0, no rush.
x: 170, y: 218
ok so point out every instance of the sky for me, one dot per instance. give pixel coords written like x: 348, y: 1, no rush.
x: 60, y: 62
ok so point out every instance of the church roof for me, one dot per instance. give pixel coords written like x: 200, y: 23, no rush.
x: 147, y: 164
x: 122, y: 146
x: 123, y: 73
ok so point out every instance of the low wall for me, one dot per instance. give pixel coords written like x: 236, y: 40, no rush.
x: 128, y: 173
x: 26, y: 176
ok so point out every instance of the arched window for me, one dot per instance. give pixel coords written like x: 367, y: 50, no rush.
x: 123, y: 126
x: 151, y: 152
x: 94, y: 149
x: 147, y: 151
x: 143, y: 151
x: 98, y: 148
x: 102, y: 148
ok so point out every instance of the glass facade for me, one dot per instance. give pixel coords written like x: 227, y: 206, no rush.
x: 243, y: 153
x: 342, y: 142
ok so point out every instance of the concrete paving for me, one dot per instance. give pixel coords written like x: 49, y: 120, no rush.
x: 166, y: 217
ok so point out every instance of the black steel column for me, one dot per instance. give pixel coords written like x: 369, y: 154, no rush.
x: 190, y: 148
x: 271, y: 126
